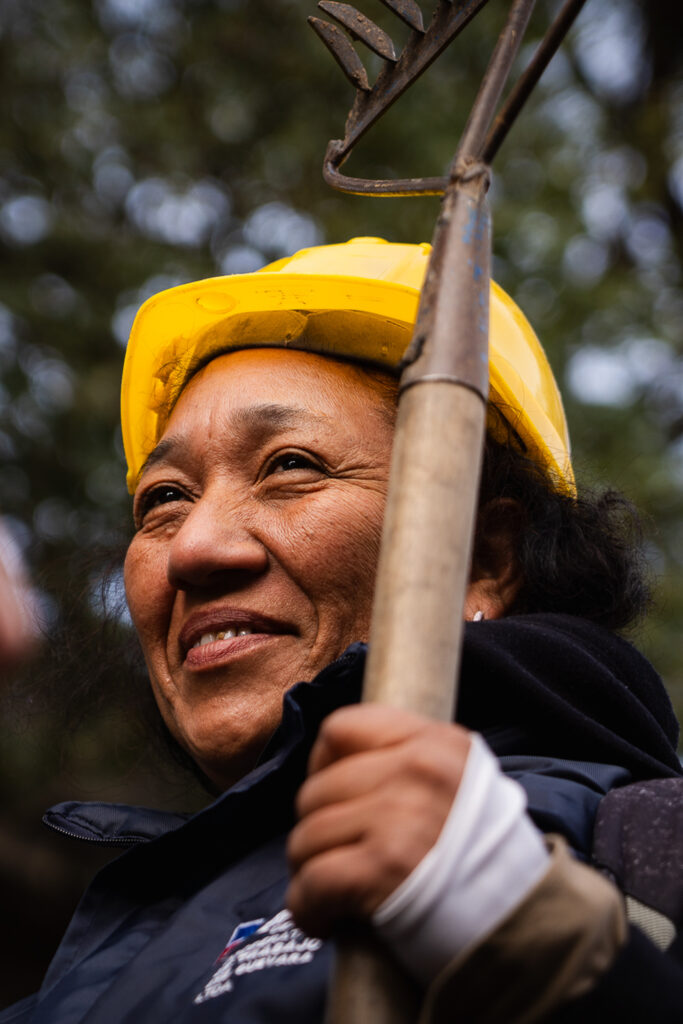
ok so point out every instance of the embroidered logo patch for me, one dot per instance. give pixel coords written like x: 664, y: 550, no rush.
x: 274, y: 943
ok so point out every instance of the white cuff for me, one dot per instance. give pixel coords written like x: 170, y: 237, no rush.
x: 486, y: 859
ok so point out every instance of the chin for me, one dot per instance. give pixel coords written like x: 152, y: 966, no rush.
x: 223, y: 753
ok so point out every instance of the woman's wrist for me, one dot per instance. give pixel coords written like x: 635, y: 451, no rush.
x: 486, y: 860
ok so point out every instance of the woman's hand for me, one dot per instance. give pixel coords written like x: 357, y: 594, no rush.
x: 381, y: 784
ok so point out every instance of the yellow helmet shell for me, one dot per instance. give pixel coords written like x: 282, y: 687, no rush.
x: 356, y: 300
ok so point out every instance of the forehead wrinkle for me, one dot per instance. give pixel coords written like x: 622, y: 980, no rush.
x: 273, y: 416
x: 256, y: 422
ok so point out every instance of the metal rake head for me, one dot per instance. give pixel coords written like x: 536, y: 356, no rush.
x: 400, y: 71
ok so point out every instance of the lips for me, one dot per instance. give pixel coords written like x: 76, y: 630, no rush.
x: 227, y: 623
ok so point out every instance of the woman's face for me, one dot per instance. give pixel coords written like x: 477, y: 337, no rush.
x: 258, y: 522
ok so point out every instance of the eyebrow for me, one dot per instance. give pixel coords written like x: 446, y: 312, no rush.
x: 258, y: 422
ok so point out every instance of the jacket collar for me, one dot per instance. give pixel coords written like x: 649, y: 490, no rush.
x: 282, y: 766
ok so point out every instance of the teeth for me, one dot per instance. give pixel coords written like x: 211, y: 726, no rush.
x: 223, y: 634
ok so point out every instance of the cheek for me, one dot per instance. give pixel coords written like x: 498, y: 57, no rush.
x: 334, y: 551
x: 148, y: 592
x: 354, y: 543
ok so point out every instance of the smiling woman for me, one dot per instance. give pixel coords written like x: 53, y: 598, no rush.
x: 258, y: 519
x: 258, y: 415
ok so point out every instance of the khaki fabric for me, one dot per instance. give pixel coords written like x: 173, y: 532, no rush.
x: 659, y: 929
x: 551, y: 949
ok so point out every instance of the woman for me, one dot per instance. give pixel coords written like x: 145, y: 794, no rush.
x: 257, y: 417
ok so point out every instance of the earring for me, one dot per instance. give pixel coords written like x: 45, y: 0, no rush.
x: 478, y: 617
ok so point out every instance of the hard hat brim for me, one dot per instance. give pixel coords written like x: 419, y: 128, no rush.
x: 368, y: 320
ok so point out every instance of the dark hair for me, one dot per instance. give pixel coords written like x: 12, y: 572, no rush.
x: 579, y: 554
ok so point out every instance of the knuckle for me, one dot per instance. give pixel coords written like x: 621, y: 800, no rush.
x: 436, y: 758
x: 426, y: 766
x: 410, y: 825
x: 330, y: 890
x: 400, y: 852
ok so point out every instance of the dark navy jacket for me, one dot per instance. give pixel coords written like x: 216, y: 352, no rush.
x: 189, y: 923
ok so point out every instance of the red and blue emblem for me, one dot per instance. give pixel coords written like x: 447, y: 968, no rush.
x: 241, y: 933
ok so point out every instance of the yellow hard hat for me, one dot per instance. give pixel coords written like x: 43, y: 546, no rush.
x: 357, y: 300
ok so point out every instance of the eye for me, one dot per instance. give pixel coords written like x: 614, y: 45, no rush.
x: 288, y: 462
x: 162, y: 494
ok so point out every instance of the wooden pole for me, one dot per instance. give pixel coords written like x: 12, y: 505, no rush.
x: 426, y: 543
x: 434, y: 480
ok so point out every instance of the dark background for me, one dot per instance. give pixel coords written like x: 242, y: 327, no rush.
x: 144, y: 143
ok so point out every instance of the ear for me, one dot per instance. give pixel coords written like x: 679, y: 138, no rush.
x: 496, y: 575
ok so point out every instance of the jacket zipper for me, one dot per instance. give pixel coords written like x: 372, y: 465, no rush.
x: 113, y: 841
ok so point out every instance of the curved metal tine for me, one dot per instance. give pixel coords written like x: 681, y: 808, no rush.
x: 388, y: 187
x: 407, y: 11
x: 343, y: 52
x: 448, y: 20
x: 483, y: 111
x: 420, y: 51
x: 360, y: 27
x: 523, y: 87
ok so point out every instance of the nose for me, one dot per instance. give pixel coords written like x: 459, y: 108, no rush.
x: 215, y: 547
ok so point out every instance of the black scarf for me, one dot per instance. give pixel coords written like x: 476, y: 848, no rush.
x: 560, y: 686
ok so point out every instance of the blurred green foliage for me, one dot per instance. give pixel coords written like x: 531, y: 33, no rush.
x: 148, y: 142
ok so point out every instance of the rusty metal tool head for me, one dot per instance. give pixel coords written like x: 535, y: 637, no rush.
x: 400, y: 70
